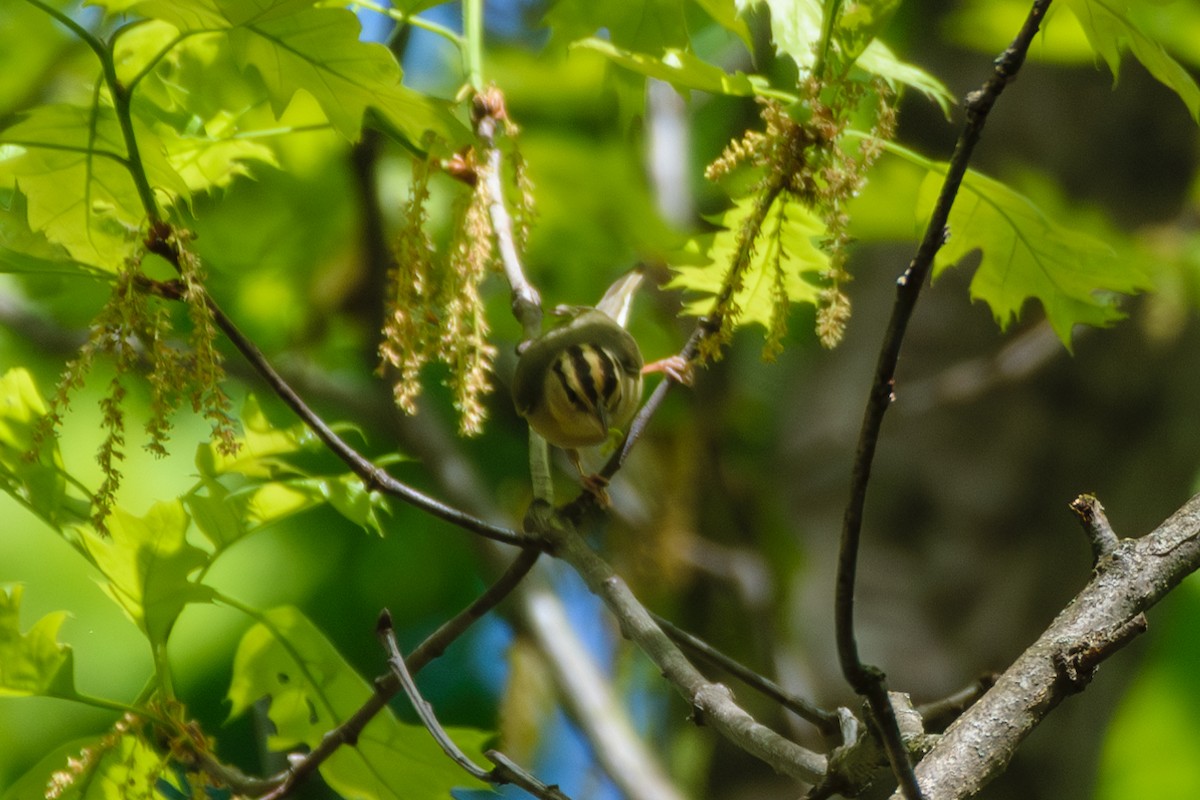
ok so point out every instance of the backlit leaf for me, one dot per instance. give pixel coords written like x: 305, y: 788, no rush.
x: 725, y: 13
x: 859, y: 22
x: 149, y: 566
x: 311, y: 689
x: 1110, y: 30
x: 796, y: 31
x: 1028, y: 255
x: 706, y: 259
x: 293, y: 46
x: 34, y: 662
x: 119, y: 766
x: 682, y: 70
x: 40, y: 484
x: 272, y: 476
x: 24, y: 250
x: 642, y: 27
x: 69, y: 162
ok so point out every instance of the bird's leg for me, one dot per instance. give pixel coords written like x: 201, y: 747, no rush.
x: 594, y: 483
x: 675, y: 367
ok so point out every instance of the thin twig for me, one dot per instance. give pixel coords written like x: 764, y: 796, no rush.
x: 937, y: 714
x: 866, y: 680
x: 706, y: 327
x: 436, y: 643
x: 586, y: 690
x: 825, y: 721
x: 489, y: 111
x: 505, y: 772
x: 387, y: 635
x: 1100, y: 533
x: 374, y: 478
x: 387, y: 686
x: 589, y: 697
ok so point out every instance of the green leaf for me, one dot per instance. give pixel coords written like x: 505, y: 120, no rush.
x: 411, y: 7
x: 31, y: 44
x: 40, y: 484
x: 878, y: 59
x: 651, y: 26
x: 682, y: 70
x: 259, y: 447
x: 70, y: 163
x: 725, y: 13
x: 1110, y: 30
x: 149, y: 563
x: 789, y: 227
x: 212, y: 158
x: 220, y: 521
x: 293, y: 46
x: 1028, y: 255
x: 273, y: 482
x: 989, y: 25
x: 860, y: 22
x: 645, y: 27
x: 350, y: 498
x: 796, y: 31
x: 24, y: 250
x: 311, y: 689
x: 32, y: 663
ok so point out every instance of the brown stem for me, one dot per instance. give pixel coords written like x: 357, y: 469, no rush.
x: 867, y: 680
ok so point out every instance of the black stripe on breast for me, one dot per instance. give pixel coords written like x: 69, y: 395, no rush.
x: 608, y: 367
x: 584, y: 373
x: 560, y: 371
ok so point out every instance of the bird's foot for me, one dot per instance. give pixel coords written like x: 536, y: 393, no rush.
x: 676, y: 368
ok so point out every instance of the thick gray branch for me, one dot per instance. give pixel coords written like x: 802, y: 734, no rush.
x: 713, y: 704
x: 1100, y: 619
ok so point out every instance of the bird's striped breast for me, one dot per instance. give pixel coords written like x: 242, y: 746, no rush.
x: 588, y: 377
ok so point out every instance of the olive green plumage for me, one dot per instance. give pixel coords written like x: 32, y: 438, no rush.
x: 576, y: 382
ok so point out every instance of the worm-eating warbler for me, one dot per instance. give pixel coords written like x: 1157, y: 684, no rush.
x: 583, y: 378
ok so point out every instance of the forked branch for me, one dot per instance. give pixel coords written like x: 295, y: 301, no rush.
x: 866, y: 680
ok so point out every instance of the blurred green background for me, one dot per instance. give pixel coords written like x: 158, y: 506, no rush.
x: 730, y: 510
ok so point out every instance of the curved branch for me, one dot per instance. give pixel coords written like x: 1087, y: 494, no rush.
x: 506, y: 770
x: 388, y: 685
x: 373, y: 477
x: 866, y: 680
x: 1102, y: 618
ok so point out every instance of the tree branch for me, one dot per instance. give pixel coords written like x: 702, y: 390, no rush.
x: 388, y: 685
x: 488, y: 111
x: 506, y: 772
x: 1095, y: 524
x: 373, y: 477
x: 588, y: 695
x: 1100, y: 620
x: 825, y: 721
x: 864, y: 679
x: 712, y: 703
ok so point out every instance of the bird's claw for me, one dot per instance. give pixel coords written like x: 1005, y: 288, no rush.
x: 676, y: 368
x: 596, y: 485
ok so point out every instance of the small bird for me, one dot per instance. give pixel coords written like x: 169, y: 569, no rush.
x: 581, y: 380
